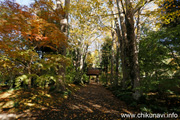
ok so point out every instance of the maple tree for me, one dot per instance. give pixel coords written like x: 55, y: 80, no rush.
x: 23, y: 35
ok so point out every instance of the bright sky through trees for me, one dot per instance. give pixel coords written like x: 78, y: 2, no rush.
x: 24, y: 2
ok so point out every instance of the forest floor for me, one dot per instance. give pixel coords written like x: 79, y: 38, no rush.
x: 92, y: 102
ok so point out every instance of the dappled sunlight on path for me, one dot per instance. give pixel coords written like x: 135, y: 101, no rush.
x: 90, y: 102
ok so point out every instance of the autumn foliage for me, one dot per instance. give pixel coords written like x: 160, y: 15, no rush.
x: 26, y: 37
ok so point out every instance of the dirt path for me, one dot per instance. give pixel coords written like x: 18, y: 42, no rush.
x: 90, y: 102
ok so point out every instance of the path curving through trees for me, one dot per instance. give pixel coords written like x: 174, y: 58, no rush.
x: 90, y: 102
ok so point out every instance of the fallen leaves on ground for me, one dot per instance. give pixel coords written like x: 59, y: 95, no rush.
x: 90, y: 102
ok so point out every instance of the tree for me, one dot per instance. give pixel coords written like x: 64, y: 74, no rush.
x: 57, y: 18
x: 129, y: 49
x: 26, y: 32
x: 106, y: 54
x: 170, y: 13
x: 85, y: 30
x: 152, y: 64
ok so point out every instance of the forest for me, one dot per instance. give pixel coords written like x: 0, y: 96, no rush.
x: 49, y: 47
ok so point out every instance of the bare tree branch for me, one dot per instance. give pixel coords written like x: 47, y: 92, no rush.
x: 139, y: 6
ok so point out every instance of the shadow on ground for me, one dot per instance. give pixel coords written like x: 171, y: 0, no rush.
x: 90, y: 102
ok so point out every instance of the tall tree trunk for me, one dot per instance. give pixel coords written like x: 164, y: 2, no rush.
x: 64, y: 29
x: 138, y: 30
x: 117, y: 64
x: 66, y: 32
x: 112, y: 65
x: 133, y: 58
x: 82, y: 64
x: 112, y: 56
x: 124, y: 47
x: 119, y: 45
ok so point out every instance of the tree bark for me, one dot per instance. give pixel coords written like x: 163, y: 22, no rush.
x: 64, y: 29
x: 138, y: 30
x: 124, y: 47
x: 112, y: 57
x: 133, y: 58
x: 119, y: 46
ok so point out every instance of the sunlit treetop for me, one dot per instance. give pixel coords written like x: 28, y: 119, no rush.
x: 27, y: 27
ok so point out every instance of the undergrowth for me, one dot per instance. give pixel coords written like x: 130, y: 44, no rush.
x: 151, y: 102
